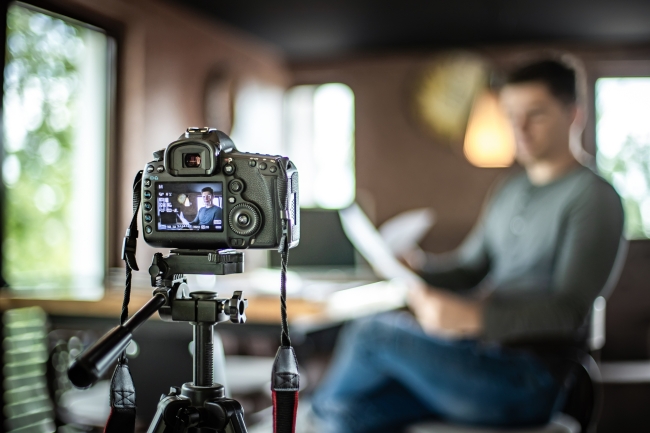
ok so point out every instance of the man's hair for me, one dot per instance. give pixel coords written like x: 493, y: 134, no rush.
x: 559, y: 79
x: 207, y: 188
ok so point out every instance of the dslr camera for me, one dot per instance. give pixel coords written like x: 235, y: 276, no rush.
x: 202, y: 193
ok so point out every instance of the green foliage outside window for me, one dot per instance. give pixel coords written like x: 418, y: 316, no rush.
x: 633, y: 158
x: 623, y: 139
x: 40, y: 90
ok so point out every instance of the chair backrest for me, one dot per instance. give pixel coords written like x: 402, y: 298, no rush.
x: 585, y: 396
x: 617, y: 268
x: 598, y: 312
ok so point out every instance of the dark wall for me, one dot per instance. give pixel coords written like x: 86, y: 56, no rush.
x: 400, y: 167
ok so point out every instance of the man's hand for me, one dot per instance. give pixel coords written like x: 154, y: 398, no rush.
x: 445, y: 314
x: 413, y: 259
x: 182, y: 218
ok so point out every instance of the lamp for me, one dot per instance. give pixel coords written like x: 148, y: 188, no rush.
x: 489, y: 140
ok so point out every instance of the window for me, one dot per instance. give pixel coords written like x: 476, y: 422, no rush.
x: 319, y: 133
x: 54, y: 158
x: 623, y: 142
x: 313, y: 125
x: 257, y: 126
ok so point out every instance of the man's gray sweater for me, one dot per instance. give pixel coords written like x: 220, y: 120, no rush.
x: 544, y: 253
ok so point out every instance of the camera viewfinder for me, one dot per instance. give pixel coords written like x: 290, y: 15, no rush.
x: 192, y: 160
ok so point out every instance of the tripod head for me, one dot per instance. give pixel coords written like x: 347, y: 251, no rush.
x: 171, y: 298
x: 199, y: 307
x: 201, y: 402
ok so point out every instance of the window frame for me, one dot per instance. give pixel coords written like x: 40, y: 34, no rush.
x: 114, y: 31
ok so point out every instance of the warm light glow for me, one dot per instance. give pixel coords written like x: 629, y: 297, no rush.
x: 489, y: 141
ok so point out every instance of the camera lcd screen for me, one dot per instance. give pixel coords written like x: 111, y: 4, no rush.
x: 189, y: 206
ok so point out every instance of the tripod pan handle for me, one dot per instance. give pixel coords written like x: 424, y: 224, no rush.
x: 94, y: 362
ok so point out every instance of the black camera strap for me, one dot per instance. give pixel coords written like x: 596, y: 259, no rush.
x: 285, y: 377
x: 122, y: 397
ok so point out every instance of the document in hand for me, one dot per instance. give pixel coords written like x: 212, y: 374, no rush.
x: 396, y: 236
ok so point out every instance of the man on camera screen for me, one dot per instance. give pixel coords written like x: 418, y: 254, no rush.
x: 208, y: 214
x: 487, y: 340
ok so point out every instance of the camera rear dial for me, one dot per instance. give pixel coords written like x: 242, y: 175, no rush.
x: 244, y: 219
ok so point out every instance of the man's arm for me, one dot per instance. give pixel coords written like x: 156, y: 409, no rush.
x: 585, y: 258
x: 461, y: 269
x: 465, y: 267
x: 441, y: 312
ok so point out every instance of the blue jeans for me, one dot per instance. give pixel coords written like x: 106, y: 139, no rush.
x: 387, y: 373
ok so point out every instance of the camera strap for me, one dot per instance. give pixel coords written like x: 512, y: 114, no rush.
x: 285, y: 377
x: 122, y: 397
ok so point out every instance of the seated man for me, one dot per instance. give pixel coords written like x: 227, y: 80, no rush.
x: 542, y: 250
x: 209, y: 215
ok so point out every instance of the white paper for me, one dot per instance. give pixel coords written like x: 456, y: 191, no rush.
x: 403, y: 232
x: 370, y: 244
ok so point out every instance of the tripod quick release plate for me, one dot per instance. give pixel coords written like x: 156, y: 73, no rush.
x: 199, y: 262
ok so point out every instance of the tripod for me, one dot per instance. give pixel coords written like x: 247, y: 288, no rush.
x: 199, y: 406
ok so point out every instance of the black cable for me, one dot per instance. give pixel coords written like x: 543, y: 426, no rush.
x: 127, y: 296
x: 284, y: 258
x: 283, y: 194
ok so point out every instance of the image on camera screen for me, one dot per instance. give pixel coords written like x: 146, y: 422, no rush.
x: 183, y: 206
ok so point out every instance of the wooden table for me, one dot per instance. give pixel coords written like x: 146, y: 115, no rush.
x: 261, y: 309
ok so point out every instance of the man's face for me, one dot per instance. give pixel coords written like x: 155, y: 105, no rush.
x: 541, y: 122
x: 207, y: 198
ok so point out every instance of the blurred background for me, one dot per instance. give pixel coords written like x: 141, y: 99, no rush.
x: 389, y: 105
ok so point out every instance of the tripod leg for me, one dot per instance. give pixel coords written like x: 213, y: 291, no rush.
x: 226, y: 415
x: 165, y: 419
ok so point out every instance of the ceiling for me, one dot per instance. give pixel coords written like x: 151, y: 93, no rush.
x: 321, y: 29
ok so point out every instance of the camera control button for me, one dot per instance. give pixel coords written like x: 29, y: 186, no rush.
x: 228, y: 169
x: 147, y: 194
x: 236, y: 186
x: 160, y: 169
x: 150, y: 169
x: 148, y: 217
x: 262, y: 165
x: 147, y: 206
x: 244, y: 219
x: 273, y: 169
x: 148, y: 230
x: 252, y: 163
x: 231, y: 199
x: 147, y: 182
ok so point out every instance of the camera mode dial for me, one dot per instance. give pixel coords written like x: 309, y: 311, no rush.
x: 244, y: 219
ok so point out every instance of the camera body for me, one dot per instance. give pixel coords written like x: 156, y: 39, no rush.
x: 202, y: 193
